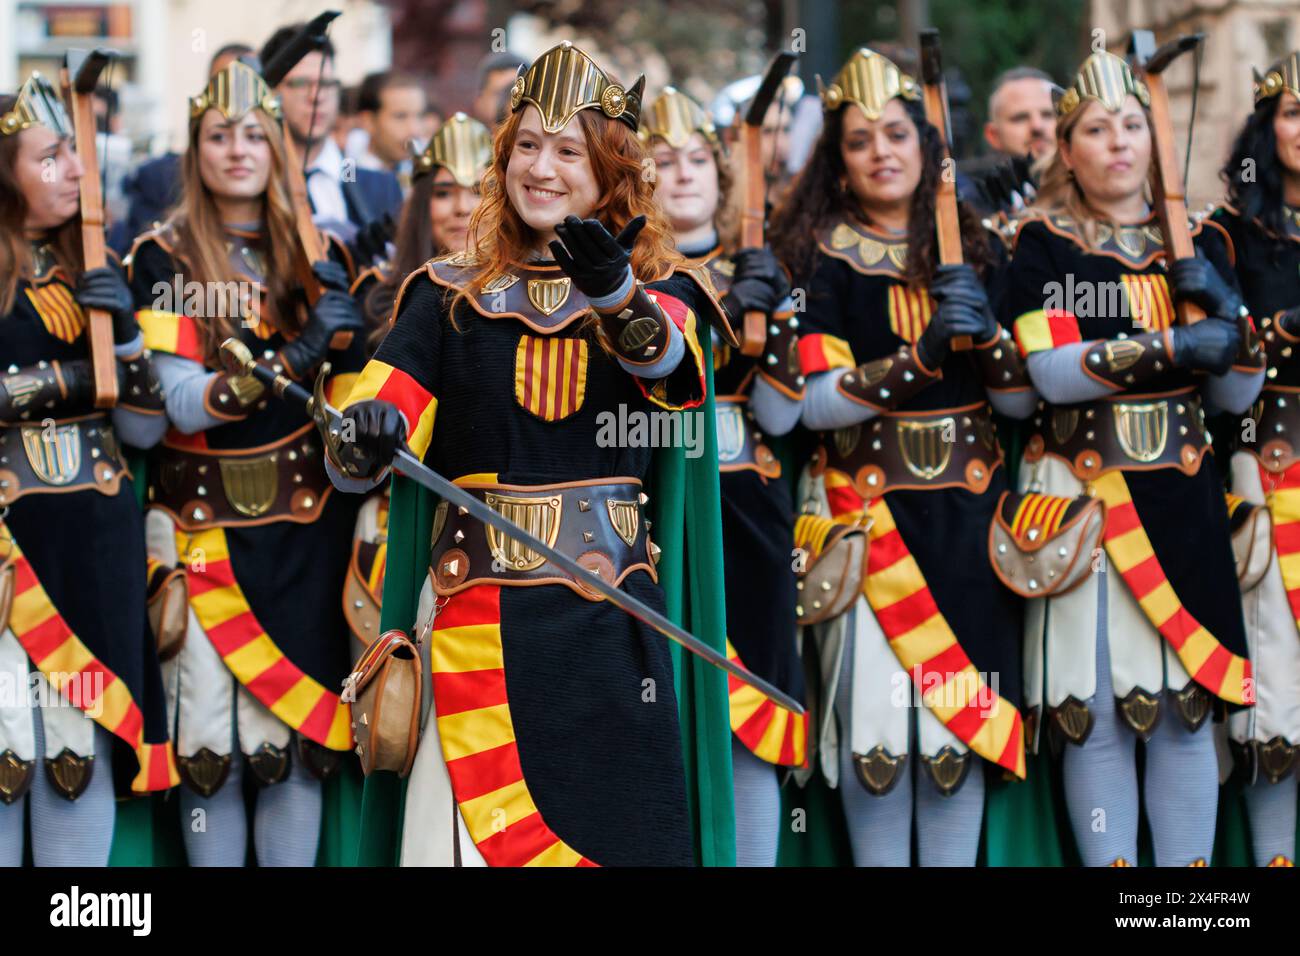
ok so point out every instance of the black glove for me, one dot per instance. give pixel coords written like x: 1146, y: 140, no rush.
x: 331, y: 275
x: 1198, y: 282
x: 596, y: 261
x: 104, y: 288
x: 371, y: 241
x: 333, y: 313
x: 370, y: 434
x: 1209, y: 345
x: 759, y: 283
x: 963, y: 310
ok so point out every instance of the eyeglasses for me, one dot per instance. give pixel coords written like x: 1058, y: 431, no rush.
x: 310, y: 85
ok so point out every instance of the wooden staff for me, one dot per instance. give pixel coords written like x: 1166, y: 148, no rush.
x: 78, y: 77
x: 947, y: 221
x: 753, y: 214
x: 1148, y: 65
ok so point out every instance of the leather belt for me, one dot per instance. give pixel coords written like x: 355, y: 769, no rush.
x: 599, y: 522
x: 1126, y: 432
x: 1277, y: 429
x: 740, y: 446
x: 946, y: 448
x: 208, y: 488
x: 67, y: 455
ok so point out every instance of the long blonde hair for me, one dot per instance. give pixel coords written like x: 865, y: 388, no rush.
x: 1059, y: 193
x: 201, y: 242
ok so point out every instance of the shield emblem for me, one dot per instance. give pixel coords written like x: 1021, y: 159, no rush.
x: 1142, y: 429
x: 843, y: 236
x: 54, y: 453
x: 625, y: 516
x: 846, y: 439
x: 731, y: 431
x: 540, y: 517
x: 1064, y: 422
x: 500, y: 283
x: 547, y: 295
x: 1131, y: 241
x: 250, y: 485
x: 927, y: 446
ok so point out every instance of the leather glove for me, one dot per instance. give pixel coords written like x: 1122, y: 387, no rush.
x: 1210, y: 345
x: 963, y: 310
x: 596, y: 261
x: 331, y: 275
x: 1198, y: 282
x: 104, y: 288
x: 372, y: 239
x: 370, y: 434
x: 333, y: 313
x: 759, y: 283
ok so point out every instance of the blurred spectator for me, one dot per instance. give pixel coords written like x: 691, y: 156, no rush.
x: 343, y: 198
x: 114, y: 150
x: 154, y: 187
x: 391, y: 107
x: 430, y: 122
x: 496, y: 74
x: 348, y: 134
x: 1022, y: 120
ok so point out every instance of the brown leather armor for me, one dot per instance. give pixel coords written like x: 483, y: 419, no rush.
x: 138, y: 387
x: 60, y: 456
x: 1279, y: 344
x: 740, y: 442
x: 1125, y: 432
x: 46, y: 390
x: 1277, y: 424
x: 1123, y: 362
x: 599, y: 522
x: 947, y: 448
x: 885, y: 383
x: 780, y: 364
x: 207, y: 488
x: 1000, y: 364
x: 636, y: 330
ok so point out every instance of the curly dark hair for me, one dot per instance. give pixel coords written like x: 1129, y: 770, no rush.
x: 1257, y: 196
x: 816, y: 200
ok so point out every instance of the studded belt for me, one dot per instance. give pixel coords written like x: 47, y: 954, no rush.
x: 740, y: 446
x: 946, y: 448
x: 60, y: 456
x: 1126, y: 432
x: 600, y: 523
x: 207, y: 488
x: 1277, y: 428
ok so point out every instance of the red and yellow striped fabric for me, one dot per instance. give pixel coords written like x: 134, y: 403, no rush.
x: 171, y: 333
x: 820, y: 352
x: 299, y: 700
x: 82, y: 678
x: 1284, y: 504
x: 909, y: 312
x: 1040, y: 330
x: 683, y: 316
x: 467, y: 665
x: 387, y: 383
x: 1213, y: 666
x: 1149, y: 302
x: 845, y: 503
x: 770, y: 731
x: 926, y: 646
x: 1043, y: 512
x: 59, y: 312
x: 550, y: 375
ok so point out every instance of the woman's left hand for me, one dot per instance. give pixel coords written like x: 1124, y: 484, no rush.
x: 597, y: 262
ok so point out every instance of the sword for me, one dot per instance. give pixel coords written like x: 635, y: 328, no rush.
x: 239, y: 361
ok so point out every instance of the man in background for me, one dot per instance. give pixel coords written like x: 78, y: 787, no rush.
x: 1022, y: 120
x: 343, y: 198
x: 496, y: 74
x: 391, y: 107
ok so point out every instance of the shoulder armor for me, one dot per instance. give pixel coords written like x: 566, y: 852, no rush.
x: 865, y: 252
x: 702, y: 276
x: 541, y: 297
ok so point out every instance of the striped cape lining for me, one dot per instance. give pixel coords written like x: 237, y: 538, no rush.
x: 771, y: 732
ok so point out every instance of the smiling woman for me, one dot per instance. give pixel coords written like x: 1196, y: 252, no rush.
x: 553, y: 738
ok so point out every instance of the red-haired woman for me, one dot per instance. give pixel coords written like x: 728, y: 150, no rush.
x: 72, y: 549
x: 556, y: 737
x: 238, y: 493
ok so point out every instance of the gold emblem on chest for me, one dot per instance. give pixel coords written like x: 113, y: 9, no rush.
x: 547, y: 295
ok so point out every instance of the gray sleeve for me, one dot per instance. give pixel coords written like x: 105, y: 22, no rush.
x: 184, y: 384
x: 776, y: 413
x: 1018, y: 404
x: 1232, y: 391
x: 1059, y: 377
x: 825, y: 407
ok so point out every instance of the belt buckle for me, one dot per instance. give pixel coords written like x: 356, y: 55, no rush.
x: 250, y: 485
x: 926, y: 452
x: 540, y: 517
x: 54, y: 454
x: 1142, y: 429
